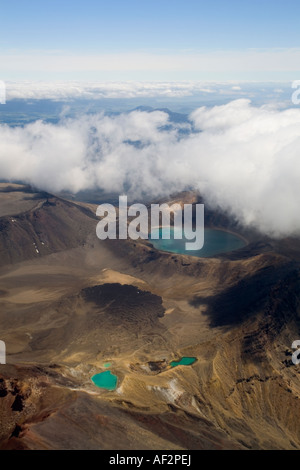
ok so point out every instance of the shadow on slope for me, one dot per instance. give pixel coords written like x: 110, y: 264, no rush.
x: 270, y: 286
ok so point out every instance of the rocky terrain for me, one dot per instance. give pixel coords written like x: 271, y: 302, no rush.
x: 69, y: 303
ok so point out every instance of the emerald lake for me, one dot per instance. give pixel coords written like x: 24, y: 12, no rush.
x: 215, y: 242
x: 184, y: 361
x: 105, y: 380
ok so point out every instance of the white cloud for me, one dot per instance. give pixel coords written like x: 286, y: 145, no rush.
x: 222, y: 64
x: 162, y: 90
x: 99, y: 90
x: 245, y: 159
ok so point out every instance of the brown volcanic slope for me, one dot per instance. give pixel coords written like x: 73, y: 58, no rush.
x: 33, y: 224
x: 69, y: 303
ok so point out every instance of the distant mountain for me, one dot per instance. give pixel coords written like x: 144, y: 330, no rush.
x: 174, y: 117
x: 20, y: 112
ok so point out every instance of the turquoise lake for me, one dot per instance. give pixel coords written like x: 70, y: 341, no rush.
x: 215, y: 242
x: 184, y: 361
x: 105, y: 380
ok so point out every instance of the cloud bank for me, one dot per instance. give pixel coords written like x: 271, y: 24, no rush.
x: 69, y: 90
x: 73, y: 90
x: 236, y: 64
x: 243, y: 159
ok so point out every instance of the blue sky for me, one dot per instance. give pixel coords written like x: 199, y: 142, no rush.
x: 150, y: 40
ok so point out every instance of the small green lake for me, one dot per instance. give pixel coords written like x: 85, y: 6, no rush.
x: 215, y: 242
x: 105, y: 380
x: 184, y: 361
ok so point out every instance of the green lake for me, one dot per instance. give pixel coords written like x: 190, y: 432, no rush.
x: 215, y: 242
x: 105, y: 380
x: 184, y: 361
